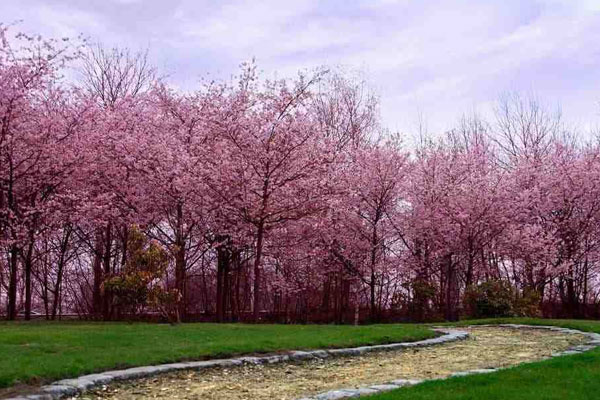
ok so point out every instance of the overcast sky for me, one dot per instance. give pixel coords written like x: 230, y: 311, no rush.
x: 435, y: 58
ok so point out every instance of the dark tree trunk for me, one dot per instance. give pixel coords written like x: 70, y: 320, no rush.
x: 235, y: 290
x: 59, y: 274
x: 585, y: 289
x: 373, y: 281
x: 106, y: 297
x: 28, y: 264
x: 572, y: 305
x: 420, y: 300
x: 46, y: 283
x: 180, y: 280
x: 97, y: 269
x: 11, y: 312
x: 325, y: 303
x: 451, y: 313
x: 257, y: 260
x: 470, y: 269
x: 124, y: 245
x: 345, y: 298
x: 373, y: 306
x: 180, y: 264
x: 223, y: 261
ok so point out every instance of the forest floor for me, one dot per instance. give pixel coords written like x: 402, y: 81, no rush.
x: 34, y: 353
x: 486, y: 347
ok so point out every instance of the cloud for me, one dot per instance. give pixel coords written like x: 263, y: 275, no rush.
x: 448, y: 57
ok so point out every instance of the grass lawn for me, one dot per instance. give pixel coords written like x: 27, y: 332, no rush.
x: 575, y: 377
x: 37, y: 352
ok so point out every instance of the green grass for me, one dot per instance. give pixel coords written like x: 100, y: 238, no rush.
x: 38, y: 352
x: 575, y: 377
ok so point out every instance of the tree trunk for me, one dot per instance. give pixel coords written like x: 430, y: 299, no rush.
x: 11, y: 312
x: 470, y: 269
x: 235, y: 291
x: 356, y: 308
x: 106, y: 297
x: 97, y: 269
x: 451, y: 290
x: 180, y: 264
x: 223, y: 260
x: 259, y: 246
x: 373, y: 307
x: 572, y: 301
x: 28, y: 267
x: 326, y: 295
x: 46, y: 283
x: 420, y: 300
x: 372, y: 283
x: 124, y: 245
x: 585, y: 288
x: 59, y: 274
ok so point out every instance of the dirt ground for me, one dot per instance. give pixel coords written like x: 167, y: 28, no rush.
x: 486, y: 348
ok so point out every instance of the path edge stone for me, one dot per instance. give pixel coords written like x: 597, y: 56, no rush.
x: 592, y: 342
x: 70, y: 387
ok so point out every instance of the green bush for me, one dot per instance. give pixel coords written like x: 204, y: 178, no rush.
x: 528, y: 304
x: 490, y: 299
x: 423, y: 294
x: 139, y: 285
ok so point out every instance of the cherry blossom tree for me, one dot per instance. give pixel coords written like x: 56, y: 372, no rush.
x: 273, y: 165
x: 362, y: 238
x: 281, y: 200
x: 39, y: 125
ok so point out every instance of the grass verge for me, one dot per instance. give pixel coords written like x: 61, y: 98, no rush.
x: 575, y: 377
x: 38, y: 352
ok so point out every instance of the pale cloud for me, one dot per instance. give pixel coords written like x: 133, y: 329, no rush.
x: 436, y: 58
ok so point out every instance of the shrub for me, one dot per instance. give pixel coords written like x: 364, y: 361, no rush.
x: 139, y: 283
x: 528, y: 304
x: 490, y: 299
x: 423, y: 294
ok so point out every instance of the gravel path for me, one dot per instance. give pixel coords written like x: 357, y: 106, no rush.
x: 487, y: 347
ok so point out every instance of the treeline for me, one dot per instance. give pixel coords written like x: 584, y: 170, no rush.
x: 285, y: 200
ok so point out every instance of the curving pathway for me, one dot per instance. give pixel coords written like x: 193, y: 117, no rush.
x: 334, y: 374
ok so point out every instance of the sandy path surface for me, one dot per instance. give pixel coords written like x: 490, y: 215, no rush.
x: 488, y: 347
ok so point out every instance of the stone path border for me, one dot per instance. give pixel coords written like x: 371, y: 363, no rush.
x: 593, y: 342
x: 71, y: 387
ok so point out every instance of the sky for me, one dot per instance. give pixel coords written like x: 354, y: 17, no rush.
x: 429, y: 61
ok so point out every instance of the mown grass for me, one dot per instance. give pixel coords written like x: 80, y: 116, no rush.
x: 575, y: 377
x: 38, y: 352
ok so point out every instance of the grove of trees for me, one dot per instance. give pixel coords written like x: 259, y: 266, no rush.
x: 122, y: 197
